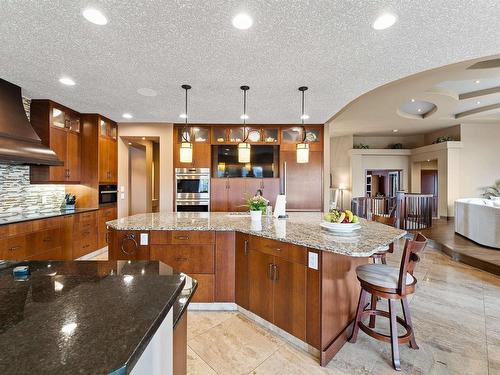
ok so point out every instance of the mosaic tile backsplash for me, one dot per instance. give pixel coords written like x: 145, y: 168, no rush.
x: 17, y: 195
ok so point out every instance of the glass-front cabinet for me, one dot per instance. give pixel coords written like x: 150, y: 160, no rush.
x: 64, y: 118
x: 196, y: 134
x: 107, y: 129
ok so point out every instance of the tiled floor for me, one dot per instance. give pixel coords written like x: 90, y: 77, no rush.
x: 456, y: 313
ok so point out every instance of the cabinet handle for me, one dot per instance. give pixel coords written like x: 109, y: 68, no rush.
x: 14, y: 248
x: 107, y: 237
x: 47, y: 239
x: 245, y: 247
x: 278, y: 249
x: 181, y: 259
x: 275, y: 272
x: 227, y: 183
x: 85, y: 246
x: 181, y: 237
x: 69, y: 173
x: 270, y: 270
x: 86, y: 233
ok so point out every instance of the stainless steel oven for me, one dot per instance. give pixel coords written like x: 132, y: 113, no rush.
x: 192, y: 189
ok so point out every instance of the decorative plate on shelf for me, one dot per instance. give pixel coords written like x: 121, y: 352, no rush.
x: 340, y: 227
x: 311, y: 137
x: 254, y: 136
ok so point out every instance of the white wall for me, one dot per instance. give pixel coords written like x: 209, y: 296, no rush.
x: 480, y: 158
x: 138, y: 180
x: 409, y: 141
x: 340, y: 165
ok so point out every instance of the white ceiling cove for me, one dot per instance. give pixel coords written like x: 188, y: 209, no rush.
x: 327, y: 45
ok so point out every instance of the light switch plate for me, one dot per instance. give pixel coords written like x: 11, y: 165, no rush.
x: 313, y: 261
x: 122, y: 189
x: 144, y: 239
x: 122, y: 195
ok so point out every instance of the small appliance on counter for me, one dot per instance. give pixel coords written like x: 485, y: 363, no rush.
x: 69, y: 202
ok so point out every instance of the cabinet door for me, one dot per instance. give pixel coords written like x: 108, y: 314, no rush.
x: 236, y: 195
x: 271, y: 189
x: 252, y: 185
x: 112, y: 160
x: 58, y: 144
x: 290, y: 297
x: 103, y: 160
x: 218, y: 194
x: 73, y: 157
x: 304, y: 182
x: 241, y: 271
x: 201, y: 155
x: 260, y: 290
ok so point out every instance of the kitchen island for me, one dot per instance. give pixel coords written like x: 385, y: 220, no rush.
x: 289, y: 275
x: 91, y: 317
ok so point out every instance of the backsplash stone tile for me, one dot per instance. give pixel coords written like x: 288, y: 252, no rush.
x: 17, y: 194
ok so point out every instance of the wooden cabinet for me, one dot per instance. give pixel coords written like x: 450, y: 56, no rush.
x: 108, y: 151
x: 218, y: 195
x: 227, y: 194
x: 199, y: 137
x: 104, y: 215
x: 59, y: 128
x: 191, y: 259
x: 302, y: 183
x: 270, y: 188
x: 241, y: 270
x: 292, y: 135
x: 260, y: 292
x: 125, y: 245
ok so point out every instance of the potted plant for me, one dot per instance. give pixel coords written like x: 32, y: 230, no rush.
x: 257, y: 205
x: 493, y: 193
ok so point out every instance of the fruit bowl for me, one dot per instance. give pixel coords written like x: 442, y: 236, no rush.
x: 340, y: 227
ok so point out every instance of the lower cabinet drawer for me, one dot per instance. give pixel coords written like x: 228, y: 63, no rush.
x: 196, y: 259
x: 84, y: 246
x: 15, y: 248
x: 293, y: 253
x: 45, y: 240
x: 4, y: 231
x: 206, y: 288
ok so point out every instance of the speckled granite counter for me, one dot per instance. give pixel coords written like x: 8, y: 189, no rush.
x: 18, y: 218
x: 84, y: 317
x: 300, y: 228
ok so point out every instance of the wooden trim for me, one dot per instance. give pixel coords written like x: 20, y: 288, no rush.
x: 334, y: 347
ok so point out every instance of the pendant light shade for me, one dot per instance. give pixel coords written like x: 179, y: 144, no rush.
x: 244, y: 147
x: 186, y: 149
x: 303, y: 147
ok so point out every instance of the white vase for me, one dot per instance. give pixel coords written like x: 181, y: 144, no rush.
x: 256, y: 215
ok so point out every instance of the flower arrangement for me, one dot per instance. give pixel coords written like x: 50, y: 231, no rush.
x: 257, y: 203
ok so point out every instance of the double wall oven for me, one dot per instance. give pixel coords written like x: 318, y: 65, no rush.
x: 192, y: 189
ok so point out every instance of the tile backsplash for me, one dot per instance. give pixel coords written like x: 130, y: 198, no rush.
x: 17, y: 194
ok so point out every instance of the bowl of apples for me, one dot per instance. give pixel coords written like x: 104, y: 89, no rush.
x: 340, y: 221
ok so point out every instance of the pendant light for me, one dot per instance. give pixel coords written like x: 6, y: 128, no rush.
x: 303, y: 147
x: 186, y: 150
x: 244, y: 147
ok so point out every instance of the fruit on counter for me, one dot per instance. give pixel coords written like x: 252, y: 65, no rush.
x: 345, y: 217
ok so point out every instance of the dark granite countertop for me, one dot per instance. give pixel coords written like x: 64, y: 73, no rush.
x: 4, y: 220
x: 85, y: 317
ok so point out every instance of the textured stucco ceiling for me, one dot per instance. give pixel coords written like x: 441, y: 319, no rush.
x: 327, y: 45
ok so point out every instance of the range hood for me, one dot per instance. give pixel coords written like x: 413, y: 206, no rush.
x: 19, y: 143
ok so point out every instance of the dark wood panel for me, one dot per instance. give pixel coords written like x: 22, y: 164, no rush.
x: 42, y: 224
x: 103, y: 160
x: 196, y: 259
x: 205, y: 290
x: 73, y: 157
x: 280, y: 249
x: 271, y: 189
x: 236, y: 195
x: 218, y: 195
x: 290, y: 297
x: 313, y: 306
x: 192, y: 237
x: 260, y: 293
x: 104, y: 215
x: 224, y: 266
x: 20, y: 228
x: 304, y: 182
x: 241, y: 270
x: 58, y: 144
x: 180, y: 346
x: 130, y: 250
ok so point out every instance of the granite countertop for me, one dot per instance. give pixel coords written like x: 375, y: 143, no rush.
x: 301, y: 228
x: 20, y: 217
x: 84, y: 317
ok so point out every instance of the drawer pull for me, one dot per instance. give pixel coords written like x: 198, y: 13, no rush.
x: 14, y: 248
x: 270, y: 271
x: 85, y: 246
x: 275, y: 272
x: 47, y: 239
x: 182, y: 237
x: 180, y: 259
x: 245, y: 247
x: 278, y: 249
x: 86, y: 233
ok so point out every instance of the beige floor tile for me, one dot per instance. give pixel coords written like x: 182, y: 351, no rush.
x: 236, y: 346
x: 196, y: 366
x: 201, y: 321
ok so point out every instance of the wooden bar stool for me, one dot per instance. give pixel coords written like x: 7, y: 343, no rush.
x: 382, y: 255
x: 381, y: 280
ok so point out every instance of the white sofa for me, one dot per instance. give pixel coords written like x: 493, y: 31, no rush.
x: 479, y: 220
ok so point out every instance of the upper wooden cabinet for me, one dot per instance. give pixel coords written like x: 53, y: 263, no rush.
x: 236, y: 134
x: 108, y: 151
x: 59, y: 128
x: 292, y: 135
x: 199, y: 137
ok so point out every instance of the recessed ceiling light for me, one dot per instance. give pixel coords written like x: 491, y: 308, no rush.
x: 477, y: 81
x: 419, y: 110
x: 244, y: 117
x: 130, y: 143
x: 95, y: 16
x: 384, y: 21
x: 183, y: 115
x: 147, y: 92
x: 478, y: 102
x: 127, y: 115
x: 304, y: 117
x: 143, y: 138
x: 413, y: 100
x: 395, y: 130
x: 242, y: 21
x: 67, y: 81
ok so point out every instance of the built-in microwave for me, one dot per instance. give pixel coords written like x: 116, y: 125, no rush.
x: 108, y: 194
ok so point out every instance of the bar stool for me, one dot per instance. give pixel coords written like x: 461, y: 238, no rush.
x: 382, y: 255
x: 381, y: 280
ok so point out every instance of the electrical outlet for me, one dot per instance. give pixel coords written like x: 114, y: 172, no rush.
x: 144, y: 239
x: 313, y: 260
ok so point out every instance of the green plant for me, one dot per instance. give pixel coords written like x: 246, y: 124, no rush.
x: 397, y: 146
x: 492, y: 191
x: 257, y: 203
x: 361, y: 146
x: 444, y: 138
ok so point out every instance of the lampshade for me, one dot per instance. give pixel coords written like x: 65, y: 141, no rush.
x: 302, y: 153
x: 186, y: 152
x: 243, y: 152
